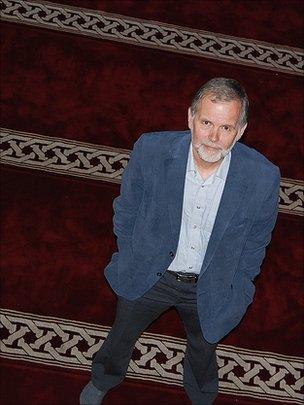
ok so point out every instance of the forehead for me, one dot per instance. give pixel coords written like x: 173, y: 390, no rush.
x: 210, y: 107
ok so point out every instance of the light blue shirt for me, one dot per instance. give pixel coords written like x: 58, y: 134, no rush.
x: 200, y: 205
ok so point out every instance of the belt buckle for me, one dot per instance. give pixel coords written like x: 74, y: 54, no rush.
x: 186, y: 279
x: 194, y: 280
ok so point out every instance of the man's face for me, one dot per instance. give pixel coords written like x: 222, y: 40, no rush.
x: 215, y: 128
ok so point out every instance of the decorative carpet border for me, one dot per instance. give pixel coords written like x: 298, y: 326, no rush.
x: 98, y: 162
x: 71, y: 344
x: 152, y: 34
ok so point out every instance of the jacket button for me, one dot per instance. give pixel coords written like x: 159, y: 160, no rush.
x: 159, y: 274
x: 171, y: 254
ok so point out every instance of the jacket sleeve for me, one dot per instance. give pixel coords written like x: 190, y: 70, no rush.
x: 242, y: 288
x: 127, y: 204
x: 259, y: 237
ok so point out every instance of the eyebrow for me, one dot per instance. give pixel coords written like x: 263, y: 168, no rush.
x: 223, y: 125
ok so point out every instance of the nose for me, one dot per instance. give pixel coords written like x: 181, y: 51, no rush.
x: 213, y: 135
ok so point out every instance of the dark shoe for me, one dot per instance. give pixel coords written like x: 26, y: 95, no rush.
x: 91, y: 395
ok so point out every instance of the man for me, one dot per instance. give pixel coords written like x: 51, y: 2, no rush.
x: 194, y: 216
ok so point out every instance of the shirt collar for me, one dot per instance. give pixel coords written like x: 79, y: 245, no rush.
x: 220, y: 173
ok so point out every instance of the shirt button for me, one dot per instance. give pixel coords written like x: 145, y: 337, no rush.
x: 198, y: 207
x: 190, y: 267
x: 159, y: 274
x: 171, y: 254
x: 192, y: 247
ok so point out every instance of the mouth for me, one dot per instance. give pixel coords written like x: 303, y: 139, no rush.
x: 212, y: 148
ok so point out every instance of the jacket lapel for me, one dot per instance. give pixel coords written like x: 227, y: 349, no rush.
x: 233, y: 194
x: 175, y: 170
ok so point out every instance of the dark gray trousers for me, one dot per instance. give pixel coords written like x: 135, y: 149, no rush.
x: 110, y: 363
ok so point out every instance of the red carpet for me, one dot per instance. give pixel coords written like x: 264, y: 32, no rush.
x: 73, y: 81
x: 51, y: 386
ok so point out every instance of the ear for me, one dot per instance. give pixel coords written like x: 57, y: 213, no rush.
x: 241, y: 131
x: 190, y: 119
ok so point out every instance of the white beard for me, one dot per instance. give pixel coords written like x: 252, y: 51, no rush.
x: 211, y: 157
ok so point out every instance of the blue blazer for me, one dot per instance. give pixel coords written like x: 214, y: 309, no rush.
x: 147, y: 223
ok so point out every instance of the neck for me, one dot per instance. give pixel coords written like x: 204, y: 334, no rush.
x: 205, y: 168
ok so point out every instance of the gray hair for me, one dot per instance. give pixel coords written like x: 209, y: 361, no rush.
x: 223, y: 89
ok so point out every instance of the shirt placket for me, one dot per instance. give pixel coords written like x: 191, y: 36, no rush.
x: 195, y: 240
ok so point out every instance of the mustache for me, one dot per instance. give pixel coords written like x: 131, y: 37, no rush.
x: 209, y: 144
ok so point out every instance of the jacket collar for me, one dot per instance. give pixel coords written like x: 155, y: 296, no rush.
x: 180, y: 146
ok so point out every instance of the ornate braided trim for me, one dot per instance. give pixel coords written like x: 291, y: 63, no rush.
x: 98, y: 162
x: 71, y: 344
x: 151, y: 34
x: 62, y: 156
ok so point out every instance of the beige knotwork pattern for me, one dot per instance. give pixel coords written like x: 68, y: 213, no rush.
x: 98, y: 162
x: 156, y: 35
x: 71, y: 344
x: 63, y: 156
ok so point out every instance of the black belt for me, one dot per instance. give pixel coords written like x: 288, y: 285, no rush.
x: 184, y: 277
